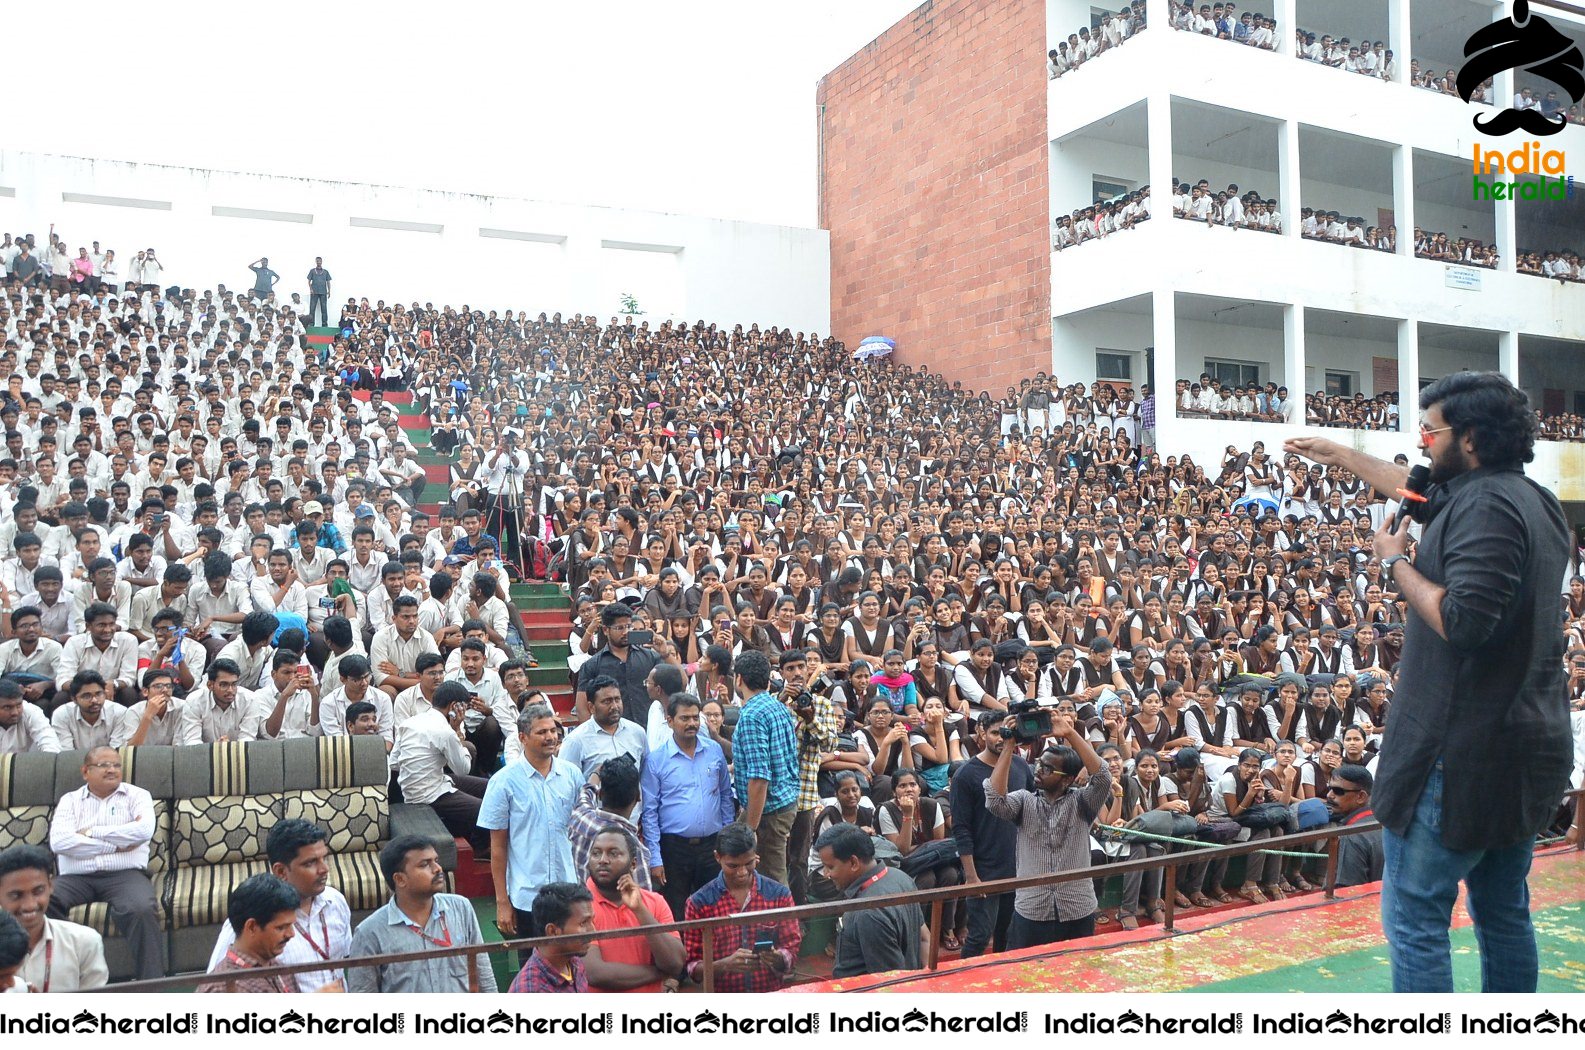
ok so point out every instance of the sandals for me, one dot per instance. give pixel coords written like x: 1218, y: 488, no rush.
x: 950, y: 942
x: 1285, y: 886
x: 1221, y: 896
x: 1303, y: 885
x: 1158, y: 912
x: 1200, y: 900
x: 1275, y: 892
x: 1181, y: 901
x: 1251, y: 893
x: 1127, y: 922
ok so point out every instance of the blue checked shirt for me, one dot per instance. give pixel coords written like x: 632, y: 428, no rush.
x: 765, y: 747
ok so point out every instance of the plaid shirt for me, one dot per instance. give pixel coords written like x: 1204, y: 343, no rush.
x: 813, y: 739
x: 765, y: 747
x: 713, y: 900
x: 585, y: 823
x: 1147, y: 413
x: 535, y: 976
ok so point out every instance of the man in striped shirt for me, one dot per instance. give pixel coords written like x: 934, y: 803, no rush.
x: 100, y: 837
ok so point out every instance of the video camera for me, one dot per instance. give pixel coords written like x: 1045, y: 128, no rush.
x: 1033, y: 721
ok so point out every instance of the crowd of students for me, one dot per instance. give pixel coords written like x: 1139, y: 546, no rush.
x: 1244, y: 211
x: 1225, y: 22
x: 1101, y: 219
x: 804, y: 593
x: 1335, y: 228
x: 1111, y: 29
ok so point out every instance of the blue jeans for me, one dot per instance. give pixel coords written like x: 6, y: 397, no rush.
x: 1420, y: 887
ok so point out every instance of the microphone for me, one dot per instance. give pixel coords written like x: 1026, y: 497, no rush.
x: 1413, y: 495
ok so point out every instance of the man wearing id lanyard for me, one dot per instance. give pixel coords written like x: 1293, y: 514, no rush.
x: 876, y: 940
x: 62, y: 956
x: 299, y: 852
x: 419, y: 918
x: 261, y: 916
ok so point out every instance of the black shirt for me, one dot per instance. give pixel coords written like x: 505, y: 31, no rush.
x: 629, y: 674
x: 1489, y: 702
x: 879, y: 940
x: 990, y: 840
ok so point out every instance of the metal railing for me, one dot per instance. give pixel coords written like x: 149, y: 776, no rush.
x: 934, y: 899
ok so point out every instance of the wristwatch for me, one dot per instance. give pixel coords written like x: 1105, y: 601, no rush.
x: 1390, y: 562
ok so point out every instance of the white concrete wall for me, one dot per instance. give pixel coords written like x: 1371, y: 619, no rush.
x: 726, y: 272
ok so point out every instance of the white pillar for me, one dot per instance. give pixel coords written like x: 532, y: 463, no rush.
x: 1158, y: 145
x: 1507, y: 234
x: 1286, y: 12
x: 1288, y: 176
x: 1163, y: 313
x: 1408, y: 374
x: 1293, y: 356
x: 1403, y: 198
x: 1400, y: 37
x: 1508, y: 355
x: 1157, y: 13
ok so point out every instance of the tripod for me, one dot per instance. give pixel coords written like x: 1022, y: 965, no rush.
x: 512, y: 492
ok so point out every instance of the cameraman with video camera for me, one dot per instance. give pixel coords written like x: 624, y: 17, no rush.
x: 1053, y: 828
x: 507, y: 466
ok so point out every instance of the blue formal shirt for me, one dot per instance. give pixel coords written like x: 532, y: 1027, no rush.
x: 534, y: 810
x: 691, y: 797
x: 765, y: 747
x: 589, y: 745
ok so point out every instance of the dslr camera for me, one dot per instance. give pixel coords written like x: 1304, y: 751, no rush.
x: 1032, y: 721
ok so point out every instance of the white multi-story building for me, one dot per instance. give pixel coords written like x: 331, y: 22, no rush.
x: 1171, y: 299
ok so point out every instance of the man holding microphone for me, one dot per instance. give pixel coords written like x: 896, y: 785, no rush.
x: 1478, y: 752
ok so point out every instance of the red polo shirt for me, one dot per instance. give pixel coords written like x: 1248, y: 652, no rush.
x: 631, y: 950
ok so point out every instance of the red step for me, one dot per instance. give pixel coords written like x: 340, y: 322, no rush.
x: 437, y: 474
x: 414, y: 421
x: 392, y: 397
x: 544, y: 618
x: 545, y: 632
x: 562, y: 702
x: 321, y: 340
x: 472, y: 877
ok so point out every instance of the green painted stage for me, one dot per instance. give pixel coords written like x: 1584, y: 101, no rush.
x: 1300, y: 945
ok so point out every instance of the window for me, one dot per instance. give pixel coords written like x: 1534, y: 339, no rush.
x: 1340, y: 384
x: 1113, y: 366
x: 1105, y: 188
x: 1234, y: 373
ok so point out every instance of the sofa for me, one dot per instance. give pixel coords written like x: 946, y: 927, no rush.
x: 214, y: 805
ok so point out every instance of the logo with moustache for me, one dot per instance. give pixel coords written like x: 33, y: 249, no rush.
x: 1527, y: 42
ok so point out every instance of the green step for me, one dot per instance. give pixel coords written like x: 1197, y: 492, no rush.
x: 548, y: 676
x: 317, y: 330
x: 536, y: 590
x: 419, y: 438
x: 550, y: 652
x: 540, y: 601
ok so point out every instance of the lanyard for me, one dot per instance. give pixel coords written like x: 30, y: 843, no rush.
x: 241, y: 963
x: 872, y: 880
x: 324, y: 931
x: 445, y: 932
x: 49, y: 963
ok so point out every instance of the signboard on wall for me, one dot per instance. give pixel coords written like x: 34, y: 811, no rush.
x: 1463, y: 277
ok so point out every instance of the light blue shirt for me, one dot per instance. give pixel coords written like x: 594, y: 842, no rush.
x: 534, y: 810
x: 588, y: 746
x: 691, y: 797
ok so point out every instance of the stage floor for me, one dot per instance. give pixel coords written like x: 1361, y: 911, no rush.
x: 1301, y: 945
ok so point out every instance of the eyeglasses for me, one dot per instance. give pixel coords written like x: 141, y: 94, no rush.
x: 1341, y: 789
x: 103, y: 765
x: 1428, y: 434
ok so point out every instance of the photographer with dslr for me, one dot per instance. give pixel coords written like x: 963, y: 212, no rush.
x: 1053, y: 830
x: 508, y: 466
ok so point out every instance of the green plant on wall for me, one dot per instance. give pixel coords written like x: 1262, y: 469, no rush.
x: 630, y: 304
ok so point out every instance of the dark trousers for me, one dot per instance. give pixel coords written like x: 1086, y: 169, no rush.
x: 500, y: 519
x: 1026, y: 933
x: 130, y: 895
x: 319, y: 306
x: 488, y: 742
x: 459, y: 811
x: 690, y: 864
x: 798, y: 840
x: 989, y: 918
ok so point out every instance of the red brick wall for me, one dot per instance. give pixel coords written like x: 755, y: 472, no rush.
x: 934, y: 169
